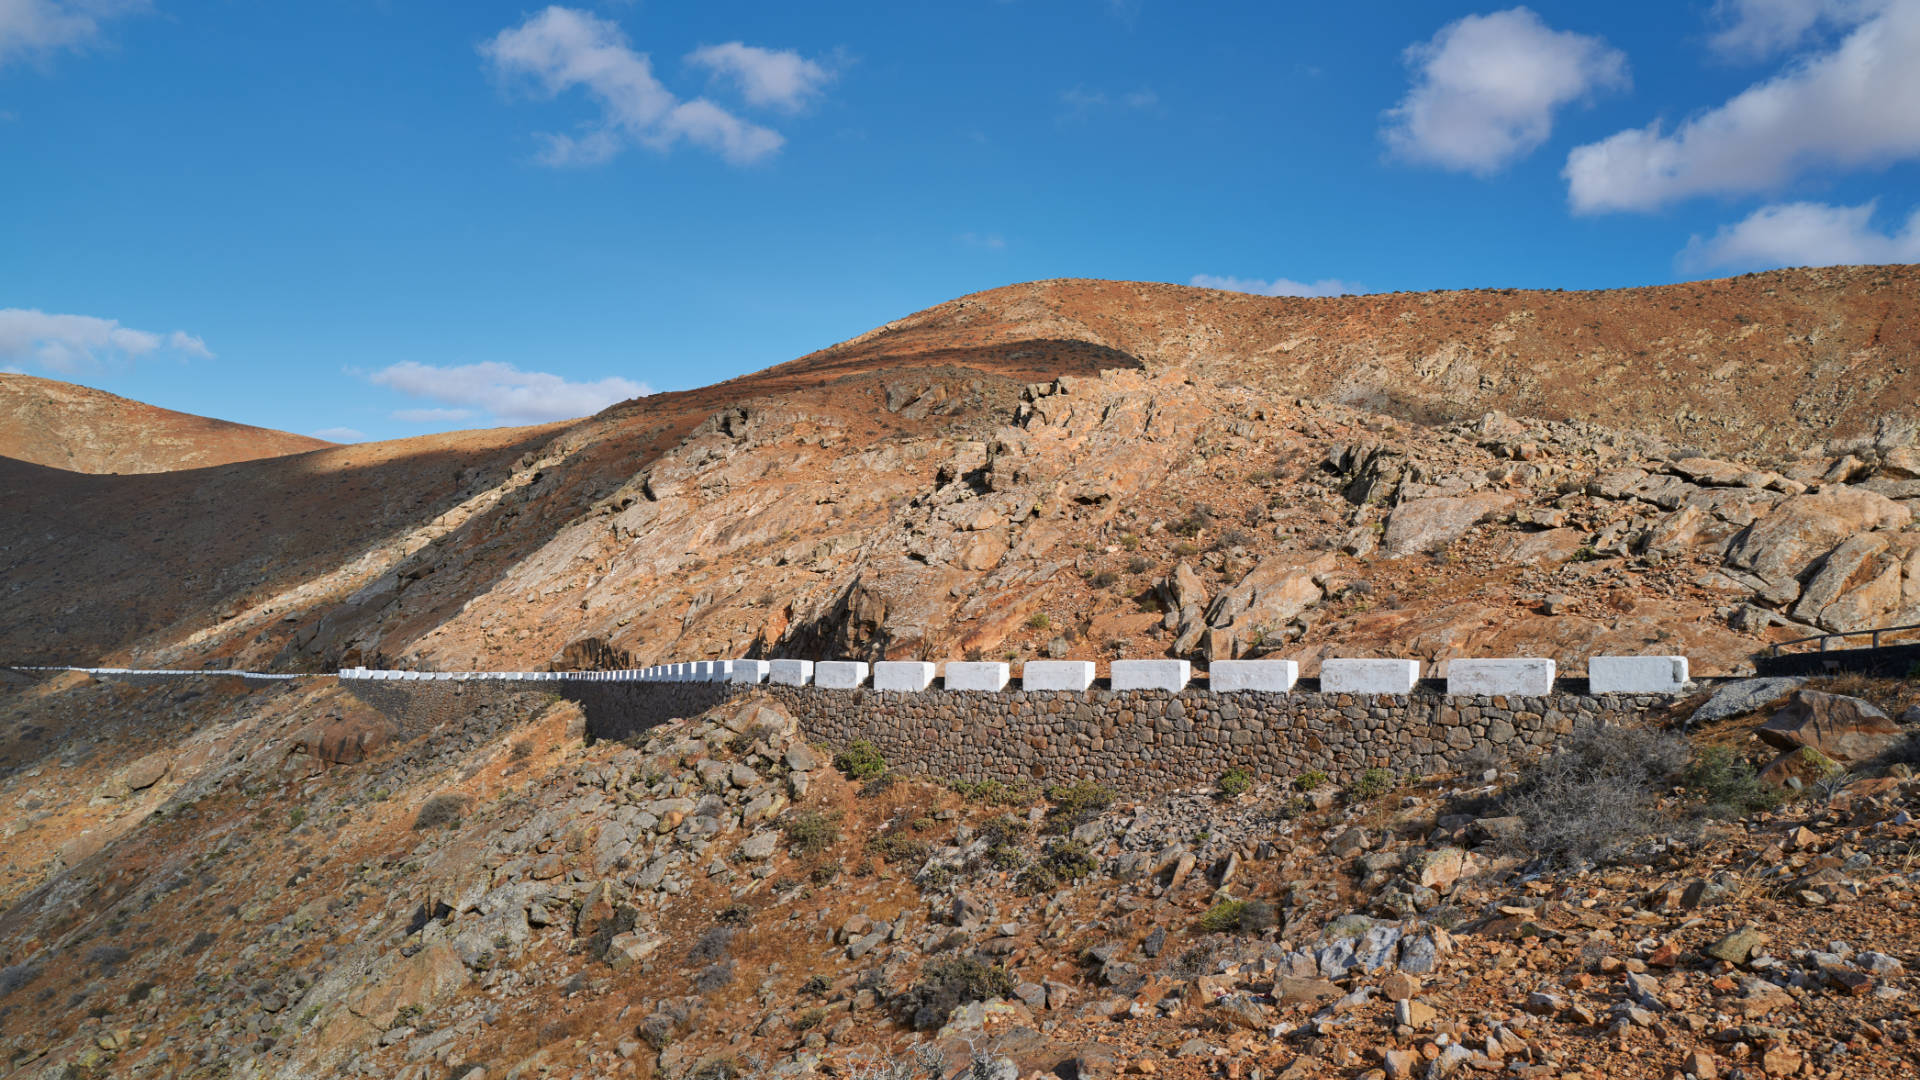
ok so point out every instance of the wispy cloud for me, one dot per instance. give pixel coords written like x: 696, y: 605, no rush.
x: 504, y: 391
x: 1849, y: 107
x: 562, y: 49
x: 74, y: 343
x: 1755, y: 29
x: 340, y: 434
x: 989, y: 241
x: 432, y: 416
x: 1485, y: 89
x: 779, y: 78
x: 1079, y: 101
x: 34, y: 31
x: 1805, y: 234
x: 1277, y: 286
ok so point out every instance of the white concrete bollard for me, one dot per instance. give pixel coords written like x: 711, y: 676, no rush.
x: 840, y: 674
x: 1170, y: 675
x: 989, y: 675
x: 749, y: 672
x: 1056, y: 675
x: 790, y: 672
x: 1524, y: 676
x: 723, y: 670
x: 1263, y: 676
x: 1369, y: 676
x: 1637, y: 674
x: 905, y: 676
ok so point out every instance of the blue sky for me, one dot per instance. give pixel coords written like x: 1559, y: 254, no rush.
x: 376, y: 218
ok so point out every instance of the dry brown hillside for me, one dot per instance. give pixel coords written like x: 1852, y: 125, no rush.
x: 1078, y: 468
x: 80, y: 429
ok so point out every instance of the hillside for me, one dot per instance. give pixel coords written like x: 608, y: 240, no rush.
x: 200, y: 879
x: 1076, y: 468
x: 80, y: 429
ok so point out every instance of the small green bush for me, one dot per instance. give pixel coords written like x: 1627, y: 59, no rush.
x: 1311, y: 780
x: 1372, y: 784
x: 996, y: 793
x: 811, y: 832
x: 1223, y: 916
x: 1105, y: 579
x: 1727, y: 784
x: 898, y: 847
x: 1004, y: 829
x: 441, y: 809
x: 948, y: 983
x: 1081, y: 796
x: 1064, y: 862
x: 1039, y: 620
x: 1235, y: 781
x: 861, y: 760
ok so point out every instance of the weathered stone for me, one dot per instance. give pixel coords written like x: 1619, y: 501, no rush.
x: 1846, y: 729
x: 1421, y: 525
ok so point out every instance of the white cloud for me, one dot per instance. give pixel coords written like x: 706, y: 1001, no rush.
x: 71, y: 343
x: 34, y: 30
x: 1850, y: 107
x: 1486, y: 87
x: 1805, y: 234
x: 989, y: 241
x: 1278, y: 286
x: 564, y: 48
x: 512, y: 395
x: 341, y: 434
x: 780, y: 78
x: 1080, y: 101
x: 1753, y: 29
x: 432, y: 416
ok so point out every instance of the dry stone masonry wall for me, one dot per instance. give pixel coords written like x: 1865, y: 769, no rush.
x: 1147, y: 727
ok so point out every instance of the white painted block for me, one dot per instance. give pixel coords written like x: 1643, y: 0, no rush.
x: 706, y: 671
x: 1369, y: 676
x: 1056, y: 675
x: 989, y: 675
x: 1524, y: 676
x: 909, y: 676
x: 1150, y: 674
x: 723, y: 670
x: 749, y: 672
x: 1265, y: 676
x: 790, y: 672
x: 1637, y: 674
x: 840, y: 674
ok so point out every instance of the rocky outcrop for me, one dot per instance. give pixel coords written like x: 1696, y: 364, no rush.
x: 1424, y: 525
x: 1844, y: 729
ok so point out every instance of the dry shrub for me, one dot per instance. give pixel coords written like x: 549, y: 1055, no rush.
x: 1597, y: 793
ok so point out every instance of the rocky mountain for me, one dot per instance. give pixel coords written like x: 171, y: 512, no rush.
x: 80, y: 429
x: 202, y: 879
x: 1079, y: 469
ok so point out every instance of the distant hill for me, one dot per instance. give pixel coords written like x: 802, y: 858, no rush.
x: 80, y: 429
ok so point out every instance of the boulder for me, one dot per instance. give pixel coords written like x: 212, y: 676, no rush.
x: 1846, y: 729
x: 1270, y: 596
x: 1805, y: 527
x: 343, y: 741
x: 1420, y: 525
x: 1852, y: 563
x: 1744, y: 696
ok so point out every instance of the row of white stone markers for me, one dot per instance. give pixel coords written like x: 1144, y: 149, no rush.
x: 1518, y: 677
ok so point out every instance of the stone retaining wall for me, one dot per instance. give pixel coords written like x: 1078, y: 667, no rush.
x: 1151, y: 740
